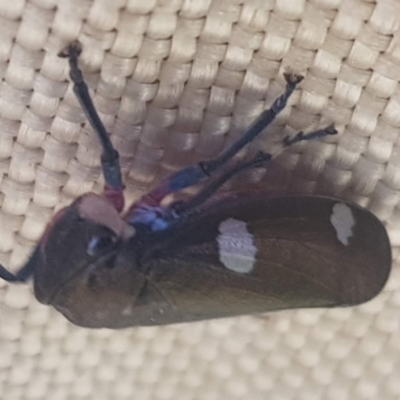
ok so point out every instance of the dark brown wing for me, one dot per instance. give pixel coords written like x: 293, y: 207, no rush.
x: 309, y: 252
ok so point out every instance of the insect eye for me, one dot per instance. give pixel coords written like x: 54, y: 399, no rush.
x: 101, y: 243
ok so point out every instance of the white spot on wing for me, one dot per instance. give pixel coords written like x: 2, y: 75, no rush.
x: 236, y: 246
x: 343, y: 221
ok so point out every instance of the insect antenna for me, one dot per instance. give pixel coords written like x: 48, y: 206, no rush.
x: 24, y: 273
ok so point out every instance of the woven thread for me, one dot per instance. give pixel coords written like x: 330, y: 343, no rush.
x: 175, y: 81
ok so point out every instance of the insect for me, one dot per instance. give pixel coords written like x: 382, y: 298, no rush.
x: 208, y: 256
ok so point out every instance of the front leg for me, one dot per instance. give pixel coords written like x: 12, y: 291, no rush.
x: 114, y: 187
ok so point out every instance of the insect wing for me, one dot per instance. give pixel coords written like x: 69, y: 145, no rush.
x: 254, y: 254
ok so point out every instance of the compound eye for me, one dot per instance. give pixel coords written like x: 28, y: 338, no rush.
x: 102, y: 243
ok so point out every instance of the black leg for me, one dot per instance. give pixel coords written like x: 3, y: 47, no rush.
x: 194, y: 174
x: 261, y: 160
x: 262, y: 122
x: 182, y: 208
x: 110, y: 158
x: 301, y: 136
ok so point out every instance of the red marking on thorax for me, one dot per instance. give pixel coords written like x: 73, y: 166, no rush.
x: 116, y: 197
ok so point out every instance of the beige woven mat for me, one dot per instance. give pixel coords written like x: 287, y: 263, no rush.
x: 175, y: 80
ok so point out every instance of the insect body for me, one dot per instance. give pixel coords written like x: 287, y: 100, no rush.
x: 208, y: 256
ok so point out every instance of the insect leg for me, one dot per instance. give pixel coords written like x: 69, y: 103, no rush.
x: 194, y: 174
x: 264, y: 120
x: 181, y: 208
x: 301, y: 136
x: 261, y: 160
x: 110, y: 158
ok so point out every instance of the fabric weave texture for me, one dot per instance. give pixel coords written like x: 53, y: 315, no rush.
x: 175, y: 81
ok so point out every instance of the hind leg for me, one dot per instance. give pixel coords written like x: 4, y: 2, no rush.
x: 202, y: 171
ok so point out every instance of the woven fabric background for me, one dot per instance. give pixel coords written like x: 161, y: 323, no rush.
x: 175, y: 81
